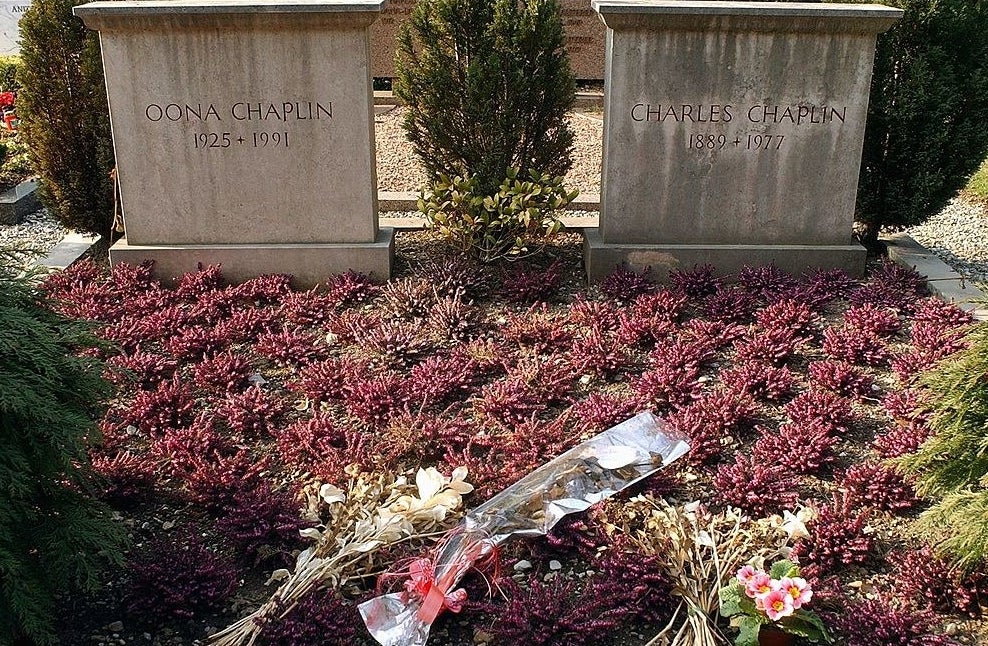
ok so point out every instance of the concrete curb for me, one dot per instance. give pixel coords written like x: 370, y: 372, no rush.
x: 941, y: 277
x: 70, y: 249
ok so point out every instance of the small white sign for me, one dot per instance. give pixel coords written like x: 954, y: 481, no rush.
x: 10, y: 14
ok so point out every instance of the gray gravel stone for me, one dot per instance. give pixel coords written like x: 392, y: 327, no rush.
x: 38, y: 230
x: 958, y: 235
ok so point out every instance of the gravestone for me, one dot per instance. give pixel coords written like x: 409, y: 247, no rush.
x: 10, y: 15
x: 733, y: 134
x: 243, y: 135
x: 584, y: 36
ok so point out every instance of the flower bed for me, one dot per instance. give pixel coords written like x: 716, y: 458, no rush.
x: 236, y: 405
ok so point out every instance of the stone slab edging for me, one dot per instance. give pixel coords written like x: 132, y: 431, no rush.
x: 18, y: 201
x: 69, y: 249
x: 941, y: 278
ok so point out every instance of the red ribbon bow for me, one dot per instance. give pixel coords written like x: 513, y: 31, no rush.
x: 422, y: 584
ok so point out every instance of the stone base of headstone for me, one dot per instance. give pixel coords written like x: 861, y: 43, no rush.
x: 603, y: 258
x: 18, y: 201
x: 308, y: 263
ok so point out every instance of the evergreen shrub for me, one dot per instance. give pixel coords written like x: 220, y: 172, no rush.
x: 53, y: 535
x: 488, y: 85
x: 8, y: 73
x: 926, y: 131
x: 952, y: 466
x: 64, y: 115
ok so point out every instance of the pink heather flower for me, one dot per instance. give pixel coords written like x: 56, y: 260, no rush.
x: 776, y: 604
x: 798, y: 589
x: 745, y: 574
x: 758, y: 585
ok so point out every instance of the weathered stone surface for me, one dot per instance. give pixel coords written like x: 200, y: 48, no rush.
x: 241, y: 123
x: 584, y: 38
x: 735, y: 123
x: 308, y: 263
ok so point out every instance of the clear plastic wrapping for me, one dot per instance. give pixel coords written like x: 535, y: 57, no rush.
x: 586, y: 474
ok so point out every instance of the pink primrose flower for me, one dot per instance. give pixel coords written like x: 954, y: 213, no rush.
x: 798, y: 589
x: 776, y: 604
x: 759, y: 584
x: 745, y: 574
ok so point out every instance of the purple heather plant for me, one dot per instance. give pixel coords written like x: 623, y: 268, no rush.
x: 306, y: 308
x: 841, y: 378
x: 696, y: 282
x: 902, y: 439
x: 598, y: 315
x: 598, y: 353
x: 790, y: 315
x: 509, y: 401
x: 710, y: 420
x: 441, y: 379
x: 242, y: 325
x: 195, y: 343
x: 266, y: 289
x: 320, y: 617
x: 626, y: 284
x: 178, y: 576
x: 633, y: 581
x: 214, y: 305
x: 527, y: 284
x: 396, y: 341
x: 946, y: 315
x: 537, y: 328
x: 767, y: 281
x: 134, y: 278
x: 323, y: 447
x: 773, y: 346
x: 821, y: 407
x: 547, y: 614
x: 374, y: 398
x: 457, y: 320
x: 421, y: 438
x: 224, y: 373
x: 666, y: 385
x: 757, y: 488
x: 262, y: 524
x: 854, y: 345
x: 455, y: 276
x: 880, y: 321
x: 893, y: 274
x: 290, y: 348
x: 215, y: 480
x: 601, y: 410
x: 195, y: 283
x: 802, y: 448
x: 731, y: 305
x: 878, y: 485
x: 937, y: 339
x: 838, y: 536
x: 928, y: 583
x: 125, y: 479
x: 351, y: 288
x: 170, y: 405
x: 144, y: 370
x: 906, y: 405
x: 759, y: 380
x: 879, y: 621
x: 182, y: 451
x: 884, y: 295
x: 250, y: 414
x: 328, y: 380
x: 407, y: 298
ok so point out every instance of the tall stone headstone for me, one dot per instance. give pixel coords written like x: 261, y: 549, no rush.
x: 243, y: 134
x: 733, y: 133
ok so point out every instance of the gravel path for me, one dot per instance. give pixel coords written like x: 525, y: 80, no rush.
x: 39, y: 230
x: 958, y: 235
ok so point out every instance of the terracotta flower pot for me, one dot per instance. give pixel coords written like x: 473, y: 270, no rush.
x: 769, y: 636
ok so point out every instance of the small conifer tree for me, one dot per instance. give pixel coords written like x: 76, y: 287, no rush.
x: 64, y: 115
x: 53, y: 535
x: 488, y: 85
x: 952, y: 466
